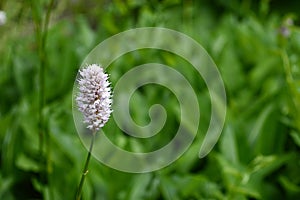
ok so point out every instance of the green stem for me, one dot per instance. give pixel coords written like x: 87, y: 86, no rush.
x: 289, y: 77
x: 38, y: 35
x: 42, y: 82
x: 41, y: 37
x: 85, y: 170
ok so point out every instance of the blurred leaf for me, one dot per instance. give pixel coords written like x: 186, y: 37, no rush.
x: 139, y: 187
x: 26, y: 163
x: 169, y: 188
x: 257, y: 128
x: 296, y: 136
x: 5, y: 184
x: 228, y: 145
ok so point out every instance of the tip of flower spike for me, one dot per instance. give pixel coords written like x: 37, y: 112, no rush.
x: 94, y: 98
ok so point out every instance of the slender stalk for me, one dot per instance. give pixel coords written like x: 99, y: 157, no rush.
x: 290, y: 80
x: 38, y: 35
x: 42, y: 82
x: 85, y: 170
x: 41, y: 29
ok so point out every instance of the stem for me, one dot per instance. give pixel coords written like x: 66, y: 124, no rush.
x: 38, y: 35
x: 85, y: 170
x: 41, y: 38
x: 290, y: 81
x: 41, y: 29
x: 42, y: 82
x: 292, y: 89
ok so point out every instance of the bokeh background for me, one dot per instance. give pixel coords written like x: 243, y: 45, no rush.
x: 256, y: 46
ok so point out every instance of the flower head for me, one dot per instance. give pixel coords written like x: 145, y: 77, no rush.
x: 94, y: 98
x: 2, y: 17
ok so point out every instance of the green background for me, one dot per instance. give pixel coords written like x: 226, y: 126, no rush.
x: 256, y: 46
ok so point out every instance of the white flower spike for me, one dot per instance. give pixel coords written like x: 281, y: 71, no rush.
x: 94, y: 99
x: 2, y: 17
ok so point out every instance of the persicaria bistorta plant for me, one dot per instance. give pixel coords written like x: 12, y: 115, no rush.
x: 94, y: 101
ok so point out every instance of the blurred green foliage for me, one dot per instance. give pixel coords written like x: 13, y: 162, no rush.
x: 255, y: 44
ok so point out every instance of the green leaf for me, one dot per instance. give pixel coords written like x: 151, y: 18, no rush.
x: 27, y: 164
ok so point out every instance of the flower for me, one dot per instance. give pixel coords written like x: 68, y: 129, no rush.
x: 286, y: 27
x: 2, y: 17
x: 94, y: 98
